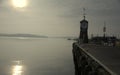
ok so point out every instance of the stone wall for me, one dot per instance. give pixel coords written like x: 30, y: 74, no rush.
x: 86, y: 64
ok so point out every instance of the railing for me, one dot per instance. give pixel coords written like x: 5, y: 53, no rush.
x: 86, y: 64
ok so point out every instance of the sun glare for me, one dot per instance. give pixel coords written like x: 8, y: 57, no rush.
x: 19, y: 3
x: 17, y: 70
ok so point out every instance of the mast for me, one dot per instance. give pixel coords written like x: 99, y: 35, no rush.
x: 104, y: 30
x: 84, y: 14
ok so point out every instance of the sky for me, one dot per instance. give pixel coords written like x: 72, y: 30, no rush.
x: 60, y: 17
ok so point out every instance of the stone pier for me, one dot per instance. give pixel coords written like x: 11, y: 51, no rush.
x: 86, y: 64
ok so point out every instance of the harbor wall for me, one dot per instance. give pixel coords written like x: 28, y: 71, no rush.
x: 86, y: 64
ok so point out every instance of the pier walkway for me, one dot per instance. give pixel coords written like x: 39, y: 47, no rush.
x: 106, y: 56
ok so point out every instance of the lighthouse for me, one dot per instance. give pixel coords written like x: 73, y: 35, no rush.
x: 83, y: 29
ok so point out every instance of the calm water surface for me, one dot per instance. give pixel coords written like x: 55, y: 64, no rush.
x: 36, y: 56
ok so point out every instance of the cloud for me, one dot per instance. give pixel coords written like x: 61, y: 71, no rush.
x: 60, y: 15
x: 0, y: 1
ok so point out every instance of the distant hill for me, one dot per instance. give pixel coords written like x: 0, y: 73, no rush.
x: 22, y: 35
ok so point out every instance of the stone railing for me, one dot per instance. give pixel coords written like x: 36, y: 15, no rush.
x: 86, y: 64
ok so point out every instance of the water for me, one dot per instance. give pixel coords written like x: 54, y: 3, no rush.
x: 36, y: 56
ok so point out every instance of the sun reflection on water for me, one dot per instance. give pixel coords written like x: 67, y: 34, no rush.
x: 17, y: 69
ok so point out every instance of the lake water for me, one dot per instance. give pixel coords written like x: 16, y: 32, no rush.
x: 44, y: 56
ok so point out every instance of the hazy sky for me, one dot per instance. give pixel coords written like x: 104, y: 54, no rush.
x: 60, y: 17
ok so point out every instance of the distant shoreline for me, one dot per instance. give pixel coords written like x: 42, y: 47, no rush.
x: 23, y: 35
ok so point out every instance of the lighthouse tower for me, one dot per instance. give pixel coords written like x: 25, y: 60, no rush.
x: 83, y: 29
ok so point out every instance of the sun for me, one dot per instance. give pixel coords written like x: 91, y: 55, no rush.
x: 19, y: 3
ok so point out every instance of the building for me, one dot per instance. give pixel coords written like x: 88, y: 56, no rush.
x: 83, y: 37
